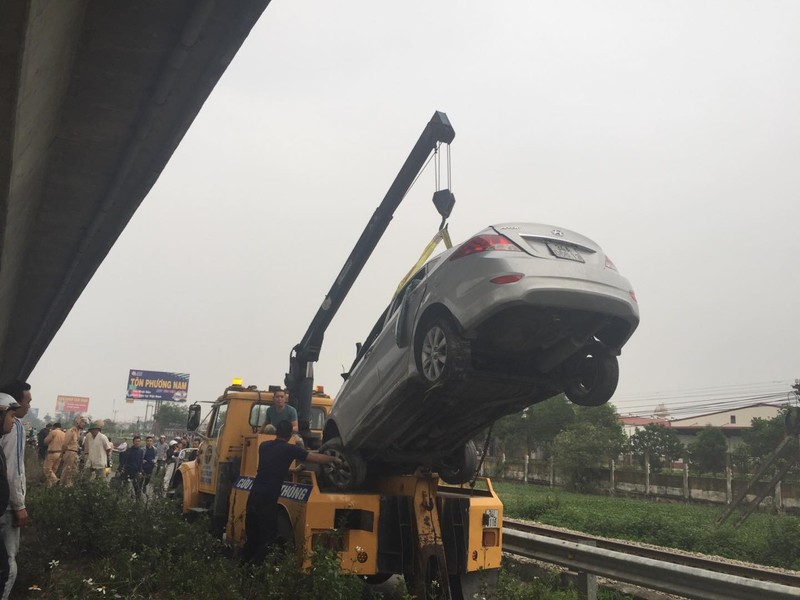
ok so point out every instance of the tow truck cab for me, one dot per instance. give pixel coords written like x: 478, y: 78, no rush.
x: 205, y: 483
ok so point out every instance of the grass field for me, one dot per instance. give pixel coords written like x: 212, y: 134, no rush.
x: 767, y: 539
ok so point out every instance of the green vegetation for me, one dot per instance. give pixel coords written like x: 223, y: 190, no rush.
x: 655, y: 443
x: 707, y: 451
x: 765, y: 538
x: 580, y: 440
x: 89, y: 541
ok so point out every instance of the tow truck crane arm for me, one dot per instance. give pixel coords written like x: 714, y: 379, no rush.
x: 300, y: 378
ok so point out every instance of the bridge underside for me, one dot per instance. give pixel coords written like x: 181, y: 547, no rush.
x: 94, y: 99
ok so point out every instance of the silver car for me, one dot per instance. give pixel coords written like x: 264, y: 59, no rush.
x: 518, y: 313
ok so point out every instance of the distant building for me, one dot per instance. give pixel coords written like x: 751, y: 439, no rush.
x: 732, y: 422
x: 633, y: 424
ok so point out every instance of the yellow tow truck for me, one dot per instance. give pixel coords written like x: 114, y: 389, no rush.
x: 445, y: 540
x: 410, y: 525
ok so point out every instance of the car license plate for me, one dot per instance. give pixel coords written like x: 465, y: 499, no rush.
x: 564, y: 251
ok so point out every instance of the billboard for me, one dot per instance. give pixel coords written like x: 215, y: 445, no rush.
x: 157, y: 385
x: 72, y: 404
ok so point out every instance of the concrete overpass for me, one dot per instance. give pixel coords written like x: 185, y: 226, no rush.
x: 95, y: 96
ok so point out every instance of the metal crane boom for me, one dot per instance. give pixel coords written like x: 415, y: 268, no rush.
x: 300, y: 378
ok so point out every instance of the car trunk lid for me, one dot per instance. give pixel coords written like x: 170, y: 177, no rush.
x: 546, y: 241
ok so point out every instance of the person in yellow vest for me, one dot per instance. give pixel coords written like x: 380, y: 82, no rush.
x: 54, y: 442
x: 69, y: 458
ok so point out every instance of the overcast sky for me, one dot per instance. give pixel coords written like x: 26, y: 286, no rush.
x: 668, y: 132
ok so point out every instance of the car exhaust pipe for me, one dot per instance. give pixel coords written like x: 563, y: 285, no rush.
x: 562, y: 350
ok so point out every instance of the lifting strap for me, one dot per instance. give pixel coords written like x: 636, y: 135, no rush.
x: 442, y: 234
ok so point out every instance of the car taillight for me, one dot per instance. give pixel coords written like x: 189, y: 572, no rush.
x: 610, y: 264
x: 510, y: 278
x: 482, y: 243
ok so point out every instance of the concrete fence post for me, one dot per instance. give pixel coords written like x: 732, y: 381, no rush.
x: 646, y: 473
x: 552, y: 472
x: 525, y: 476
x: 728, y: 479
x: 613, y: 482
x: 685, y: 480
x: 778, y: 497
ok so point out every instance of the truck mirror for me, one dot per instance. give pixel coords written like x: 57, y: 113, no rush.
x: 194, y: 417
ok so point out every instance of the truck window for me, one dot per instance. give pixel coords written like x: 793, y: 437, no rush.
x: 258, y: 415
x: 218, y: 420
x: 317, y: 418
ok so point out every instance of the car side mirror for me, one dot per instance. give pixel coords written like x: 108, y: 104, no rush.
x: 193, y: 422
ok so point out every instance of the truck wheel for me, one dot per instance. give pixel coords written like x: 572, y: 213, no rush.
x: 377, y: 579
x: 592, y: 376
x: 441, y: 354
x: 285, y: 537
x: 350, y: 475
x: 460, y: 466
x: 177, y: 494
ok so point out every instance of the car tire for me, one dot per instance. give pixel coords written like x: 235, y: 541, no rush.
x: 441, y: 354
x: 592, y: 376
x: 460, y: 466
x: 350, y: 475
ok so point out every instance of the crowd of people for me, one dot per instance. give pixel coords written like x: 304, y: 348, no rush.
x: 62, y: 454
x: 84, y: 447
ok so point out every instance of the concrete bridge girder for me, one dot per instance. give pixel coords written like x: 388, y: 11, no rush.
x: 94, y: 98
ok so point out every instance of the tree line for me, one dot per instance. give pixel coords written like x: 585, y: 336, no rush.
x: 580, y: 441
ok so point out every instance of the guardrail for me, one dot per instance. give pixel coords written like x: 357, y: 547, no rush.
x: 645, y: 572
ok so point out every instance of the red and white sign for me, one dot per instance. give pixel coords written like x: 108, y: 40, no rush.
x: 72, y: 404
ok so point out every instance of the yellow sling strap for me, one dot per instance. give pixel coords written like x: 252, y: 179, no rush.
x: 442, y: 234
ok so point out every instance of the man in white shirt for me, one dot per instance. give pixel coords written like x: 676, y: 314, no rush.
x: 96, y: 450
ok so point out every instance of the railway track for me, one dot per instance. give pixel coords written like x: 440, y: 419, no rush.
x: 732, y: 569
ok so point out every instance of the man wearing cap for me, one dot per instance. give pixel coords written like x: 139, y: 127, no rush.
x: 9, y: 529
x: 161, y: 447
x: 54, y: 442
x: 172, y: 459
x: 12, y: 443
x: 96, y: 450
x: 70, y: 448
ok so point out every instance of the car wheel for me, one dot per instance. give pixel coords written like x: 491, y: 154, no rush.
x: 441, y: 353
x: 592, y: 376
x: 350, y: 475
x: 460, y: 466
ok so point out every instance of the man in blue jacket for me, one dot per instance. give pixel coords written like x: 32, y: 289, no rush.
x: 134, y: 463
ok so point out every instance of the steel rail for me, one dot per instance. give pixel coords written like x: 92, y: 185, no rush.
x: 700, y: 562
x: 661, y: 575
